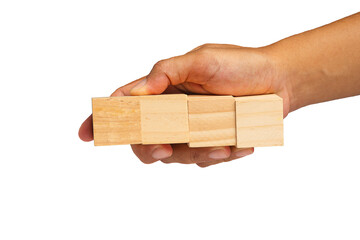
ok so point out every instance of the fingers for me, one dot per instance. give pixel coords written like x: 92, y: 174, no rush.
x: 152, y: 153
x: 86, y: 130
x: 167, y: 72
x: 192, y: 70
x: 195, y: 67
x: 146, y: 153
x: 235, y: 154
x: 179, y: 153
x: 183, y: 154
x: 212, y: 45
x: 125, y: 90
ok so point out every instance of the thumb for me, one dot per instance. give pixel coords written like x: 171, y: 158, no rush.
x: 172, y: 71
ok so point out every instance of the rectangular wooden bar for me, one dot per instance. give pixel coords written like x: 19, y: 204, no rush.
x: 164, y: 119
x: 116, y: 120
x: 200, y: 121
x: 259, y: 121
x: 211, y: 121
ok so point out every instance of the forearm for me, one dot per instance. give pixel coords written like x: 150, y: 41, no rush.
x: 322, y: 64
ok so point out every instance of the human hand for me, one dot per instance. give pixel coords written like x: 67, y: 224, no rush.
x: 209, y: 69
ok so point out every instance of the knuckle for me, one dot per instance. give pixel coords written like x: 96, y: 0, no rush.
x: 159, y: 65
x: 202, y: 48
x: 204, y: 51
x: 142, y: 152
x: 204, y: 54
x: 195, y: 156
x: 206, y: 45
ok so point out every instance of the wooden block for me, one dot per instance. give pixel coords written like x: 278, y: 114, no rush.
x: 211, y: 121
x: 164, y: 119
x: 259, y: 121
x: 116, y: 120
x: 201, y: 121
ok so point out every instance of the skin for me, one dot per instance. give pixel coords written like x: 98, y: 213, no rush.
x: 315, y: 66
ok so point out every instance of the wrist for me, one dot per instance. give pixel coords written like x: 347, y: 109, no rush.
x: 281, y: 78
x: 300, y: 80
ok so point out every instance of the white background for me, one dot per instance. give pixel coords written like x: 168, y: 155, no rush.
x: 56, y: 55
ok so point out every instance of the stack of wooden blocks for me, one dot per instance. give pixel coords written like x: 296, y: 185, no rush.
x: 199, y: 120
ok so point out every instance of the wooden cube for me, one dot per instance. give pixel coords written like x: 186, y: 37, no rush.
x: 116, y: 120
x: 211, y: 121
x: 259, y: 121
x: 164, y: 119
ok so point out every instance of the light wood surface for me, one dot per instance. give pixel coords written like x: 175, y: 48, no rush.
x: 164, y: 119
x: 116, y: 120
x: 200, y: 121
x: 259, y: 121
x: 211, y: 121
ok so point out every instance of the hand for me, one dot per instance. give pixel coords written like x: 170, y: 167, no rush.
x: 208, y: 69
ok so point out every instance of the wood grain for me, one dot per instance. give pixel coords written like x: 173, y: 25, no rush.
x: 211, y: 121
x: 259, y: 121
x: 200, y: 121
x: 164, y: 119
x: 116, y: 120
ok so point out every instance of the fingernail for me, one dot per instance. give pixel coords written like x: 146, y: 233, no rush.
x: 139, y: 88
x: 160, y: 153
x: 243, y: 153
x: 218, y: 154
